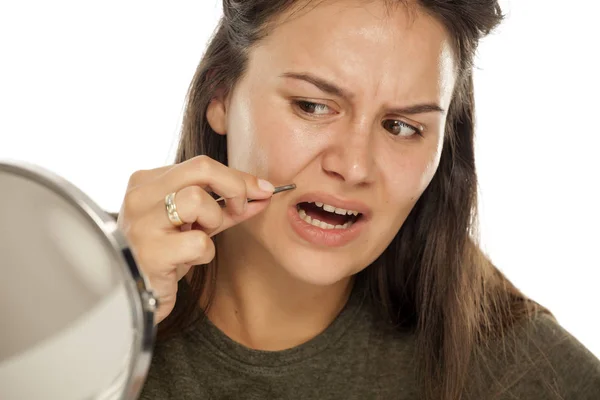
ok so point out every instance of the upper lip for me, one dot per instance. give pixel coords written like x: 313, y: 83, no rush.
x: 335, y: 201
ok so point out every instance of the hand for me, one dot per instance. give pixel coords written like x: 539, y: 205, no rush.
x: 164, y: 252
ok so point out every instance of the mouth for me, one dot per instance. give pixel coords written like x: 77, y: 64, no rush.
x: 325, y: 220
x: 326, y: 216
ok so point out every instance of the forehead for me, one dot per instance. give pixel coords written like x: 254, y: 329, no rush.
x: 363, y: 44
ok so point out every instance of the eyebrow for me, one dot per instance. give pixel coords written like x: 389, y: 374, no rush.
x: 333, y: 89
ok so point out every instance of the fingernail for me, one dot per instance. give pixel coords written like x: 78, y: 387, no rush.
x: 266, y: 186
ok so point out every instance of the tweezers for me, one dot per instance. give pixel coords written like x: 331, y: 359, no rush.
x: 278, y: 189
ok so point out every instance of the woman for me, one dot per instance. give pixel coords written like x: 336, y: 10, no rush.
x: 366, y: 280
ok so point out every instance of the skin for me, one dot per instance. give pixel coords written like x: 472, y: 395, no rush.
x: 275, y: 290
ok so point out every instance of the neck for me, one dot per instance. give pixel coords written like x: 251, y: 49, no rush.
x: 259, y: 305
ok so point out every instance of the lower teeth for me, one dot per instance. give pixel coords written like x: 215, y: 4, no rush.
x: 322, y: 224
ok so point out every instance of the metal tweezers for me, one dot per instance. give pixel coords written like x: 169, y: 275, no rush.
x: 278, y: 189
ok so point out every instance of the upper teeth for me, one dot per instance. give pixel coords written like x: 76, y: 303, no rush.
x: 333, y: 209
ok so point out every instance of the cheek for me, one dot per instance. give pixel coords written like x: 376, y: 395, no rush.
x: 270, y: 144
x: 411, y: 173
x: 244, y: 144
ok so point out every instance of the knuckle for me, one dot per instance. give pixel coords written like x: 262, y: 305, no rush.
x: 195, y: 195
x: 203, y: 162
x: 202, y: 158
x: 201, y: 245
x: 212, y: 217
x: 202, y: 168
x: 196, y: 242
x: 209, y: 254
x: 204, y: 208
x: 137, y: 178
x: 132, y: 200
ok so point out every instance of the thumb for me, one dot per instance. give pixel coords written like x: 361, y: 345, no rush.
x: 256, y: 188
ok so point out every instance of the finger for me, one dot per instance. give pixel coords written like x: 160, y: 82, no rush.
x: 207, y: 173
x: 230, y: 219
x: 193, y: 205
x: 197, y: 208
x: 136, y: 201
x: 162, y: 254
x: 144, y: 176
x: 199, y: 211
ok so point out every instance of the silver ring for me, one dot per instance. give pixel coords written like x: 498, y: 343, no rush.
x: 172, y: 210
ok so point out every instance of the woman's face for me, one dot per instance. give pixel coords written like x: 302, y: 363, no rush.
x: 348, y: 101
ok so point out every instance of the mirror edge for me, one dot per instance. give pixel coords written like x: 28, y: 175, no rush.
x: 146, y: 303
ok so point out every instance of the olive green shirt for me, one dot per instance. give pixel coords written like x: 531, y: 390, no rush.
x: 358, y: 357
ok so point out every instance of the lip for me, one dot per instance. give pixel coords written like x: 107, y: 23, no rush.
x: 324, y: 237
x: 328, y: 237
x: 338, y: 202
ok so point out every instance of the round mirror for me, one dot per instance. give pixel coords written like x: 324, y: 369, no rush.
x: 77, y: 315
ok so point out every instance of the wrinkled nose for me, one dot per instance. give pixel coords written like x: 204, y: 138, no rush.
x: 350, y: 156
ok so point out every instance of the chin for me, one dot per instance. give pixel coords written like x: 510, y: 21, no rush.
x: 312, y: 253
x: 318, y: 268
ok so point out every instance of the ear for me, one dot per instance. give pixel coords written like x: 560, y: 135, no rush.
x: 216, y: 113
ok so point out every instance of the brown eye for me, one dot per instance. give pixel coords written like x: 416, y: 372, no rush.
x: 399, y: 128
x: 312, y: 108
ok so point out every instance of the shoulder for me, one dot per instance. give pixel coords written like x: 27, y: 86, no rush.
x: 539, y: 359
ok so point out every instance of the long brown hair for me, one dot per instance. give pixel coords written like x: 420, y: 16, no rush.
x: 433, y: 278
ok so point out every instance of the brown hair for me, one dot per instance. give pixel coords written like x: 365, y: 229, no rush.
x: 433, y: 278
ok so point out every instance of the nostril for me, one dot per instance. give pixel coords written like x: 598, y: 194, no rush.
x: 333, y: 174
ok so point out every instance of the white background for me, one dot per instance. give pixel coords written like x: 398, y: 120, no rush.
x: 95, y: 90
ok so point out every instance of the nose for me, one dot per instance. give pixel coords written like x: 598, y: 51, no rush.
x: 349, y: 157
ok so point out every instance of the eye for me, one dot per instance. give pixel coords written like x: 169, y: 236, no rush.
x: 400, y: 128
x: 311, y: 108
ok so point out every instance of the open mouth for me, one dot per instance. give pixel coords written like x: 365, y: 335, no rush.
x: 325, y: 216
